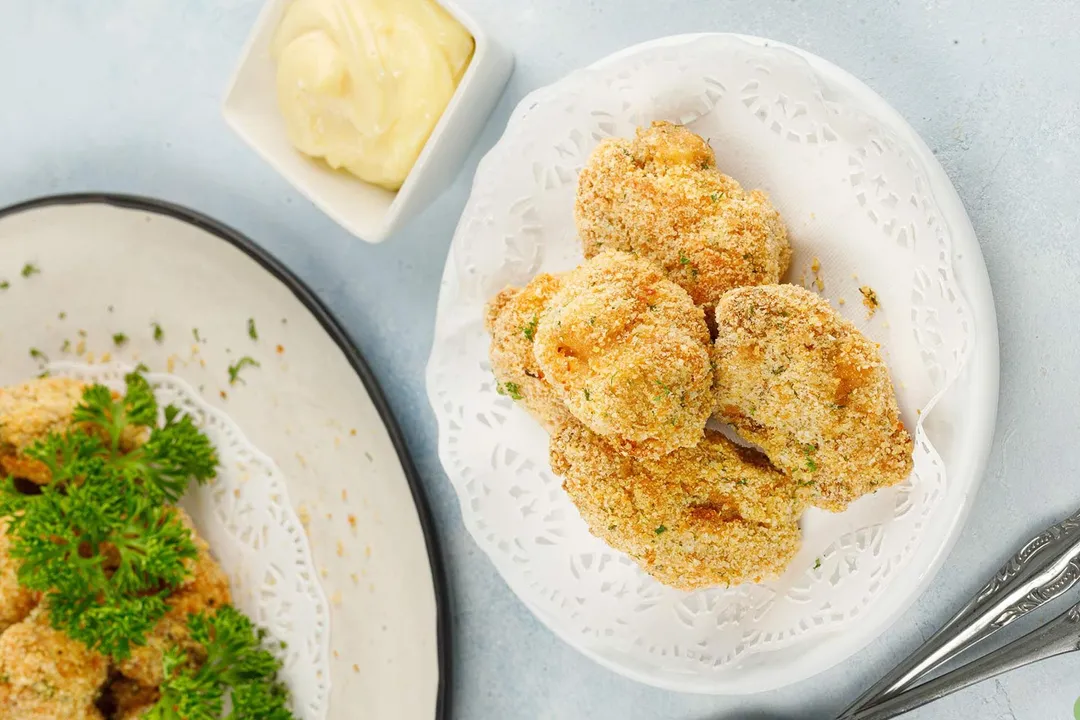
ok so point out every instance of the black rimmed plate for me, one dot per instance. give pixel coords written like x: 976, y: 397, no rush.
x: 93, y: 278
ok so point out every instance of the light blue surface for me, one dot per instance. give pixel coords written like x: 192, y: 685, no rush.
x: 124, y: 95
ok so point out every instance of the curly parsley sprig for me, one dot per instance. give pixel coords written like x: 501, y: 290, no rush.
x: 99, y: 541
x: 237, y: 667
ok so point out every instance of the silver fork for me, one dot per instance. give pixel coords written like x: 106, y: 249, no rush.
x: 1044, y: 568
x: 1060, y: 635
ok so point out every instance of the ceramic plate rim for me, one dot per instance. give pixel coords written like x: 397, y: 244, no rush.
x: 981, y: 374
x: 337, y: 333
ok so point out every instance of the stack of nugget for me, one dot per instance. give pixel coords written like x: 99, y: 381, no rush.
x: 44, y: 674
x: 616, y: 361
x: 662, y: 197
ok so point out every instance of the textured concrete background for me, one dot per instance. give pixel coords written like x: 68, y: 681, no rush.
x: 124, y: 95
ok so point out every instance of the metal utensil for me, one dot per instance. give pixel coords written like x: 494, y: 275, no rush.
x: 1043, y: 569
x: 1059, y: 636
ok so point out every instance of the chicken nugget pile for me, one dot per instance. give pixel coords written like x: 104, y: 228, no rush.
x: 676, y: 316
x: 44, y: 674
x: 48, y: 667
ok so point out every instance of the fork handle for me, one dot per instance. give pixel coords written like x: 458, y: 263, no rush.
x: 1043, y: 569
x: 1061, y: 635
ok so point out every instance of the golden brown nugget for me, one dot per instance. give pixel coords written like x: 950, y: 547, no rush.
x: 512, y: 319
x: 627, y: 351
x: 206, y: 590
x: 16, y: 602
x: 715, y: 514
x: 45, y: 675
x: 800, y: 381
x: 661, y: 196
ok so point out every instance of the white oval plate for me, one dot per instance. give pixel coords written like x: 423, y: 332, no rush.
x: 111, y: 264
x: 859, y: 190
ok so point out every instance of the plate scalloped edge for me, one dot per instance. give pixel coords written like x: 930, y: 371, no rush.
x: 983, y: 374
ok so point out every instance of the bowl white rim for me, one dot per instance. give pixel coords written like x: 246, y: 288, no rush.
x: 485, y: 51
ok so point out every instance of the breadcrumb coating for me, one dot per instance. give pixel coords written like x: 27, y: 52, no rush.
x: 16, y: 602
x: 627, y: 351
x: 206, y: 590
x: 513, y: 317
x: 715, y: 514
x: 661, y: 196
x: 30, y: 412
x: 800, y: 381
x: 45, y: 675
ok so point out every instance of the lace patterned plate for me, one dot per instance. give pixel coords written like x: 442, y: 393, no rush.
x: 865, y: 200
x: 369, y: 638
x: 254, y: 533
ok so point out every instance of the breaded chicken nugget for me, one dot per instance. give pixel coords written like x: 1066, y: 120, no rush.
x: 45, y: 675
x: 30, y: 412
x: 628, y: 352
x: 16, y: 602
x: 206, y: 590
x: 661, y: 196
x: 512, y: 320
x: 804, y: 384
x: 715, y: 514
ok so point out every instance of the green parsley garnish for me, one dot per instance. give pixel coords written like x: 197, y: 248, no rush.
x: 715, y: 197
x: 4, y: 284
x: 104, y: 546
x: 30, y: 269
x: 661, y: 529
x: 142, y: 368
x: 159, y: 332
x: 530, y: 329
x: 38, y: 355
x: 683, y: 260
x: 588, y: 395
x: 234, y: 369
x: 237, y: 668
x: 510, y: 388
x: 252, y: 332
x: 62, y: 316
x: 817, y: 563
x: 119, y: 339
x: 66, y: 346
x: 195, y: 334
x: 100, y: 542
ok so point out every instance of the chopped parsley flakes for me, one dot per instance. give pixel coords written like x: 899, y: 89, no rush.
x: 119, y: 339
x: 512, y: 389
x: 530, y: 329
x: 661, y: 529
x: 30, y: 269
x: 159, y: 332
x: 252, y: 332
x: 234, y: 370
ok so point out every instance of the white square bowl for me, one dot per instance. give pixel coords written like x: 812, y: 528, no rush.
x: 367, y: 211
